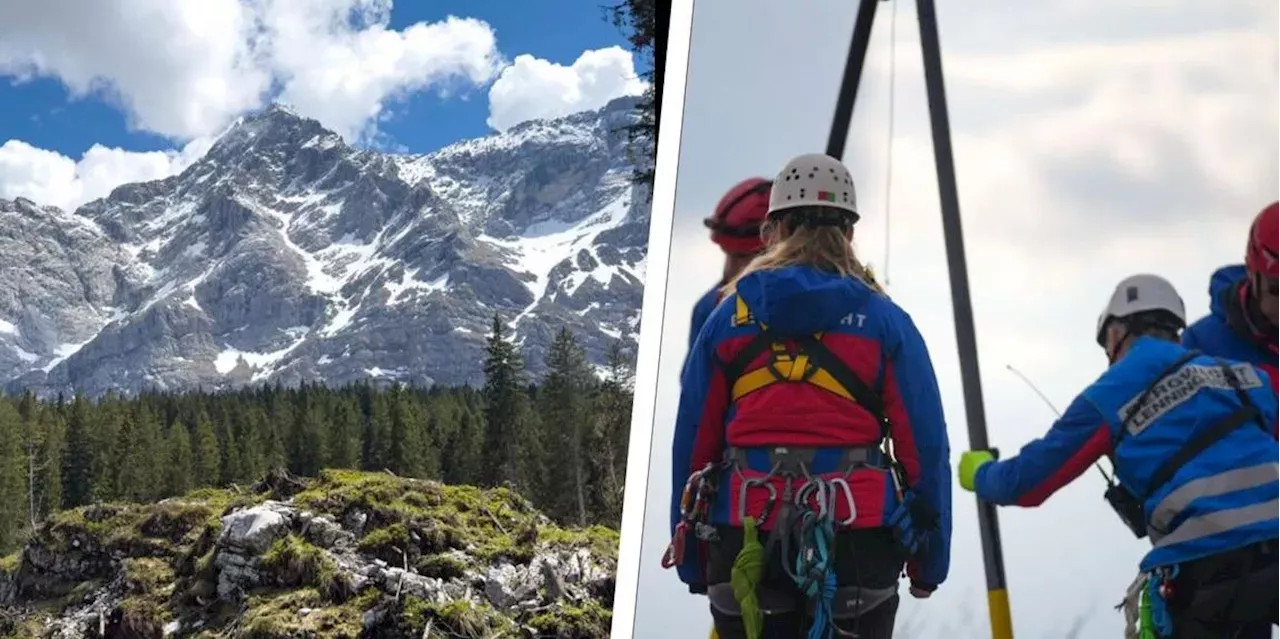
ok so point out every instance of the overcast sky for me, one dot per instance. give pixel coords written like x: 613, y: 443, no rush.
x: 1094, y: 139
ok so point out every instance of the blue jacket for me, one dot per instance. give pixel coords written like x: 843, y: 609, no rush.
x: 1241, y: 467
x: 875, y: 338
x: 1225, y: 332
x: 701, y: 311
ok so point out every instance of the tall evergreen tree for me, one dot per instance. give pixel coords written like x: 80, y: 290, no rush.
x: 77, y: 457
x: 505, y: 408
x: 12, y: 482
x: 565, y: 415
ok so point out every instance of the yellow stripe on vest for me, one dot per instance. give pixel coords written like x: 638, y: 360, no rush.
x: 787, y: 368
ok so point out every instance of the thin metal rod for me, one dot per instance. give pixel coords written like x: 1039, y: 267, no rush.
x: 988, y: 526
x: 852, y: 78
x: 1036, y: 389
x: 962, y: 307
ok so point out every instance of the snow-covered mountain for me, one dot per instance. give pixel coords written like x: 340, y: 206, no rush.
x: 286, y: 255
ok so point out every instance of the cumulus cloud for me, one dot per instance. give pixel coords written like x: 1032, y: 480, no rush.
x: 51, y: 178
x: 1092, y: 140
x: 342, y: 71
x: 185, y: 70
x: 533, y: 88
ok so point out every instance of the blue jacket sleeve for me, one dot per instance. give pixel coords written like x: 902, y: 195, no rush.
x: 917, y: 385
x: 694, y: 383
x: 1047, y: 464
x: 1265, y: 399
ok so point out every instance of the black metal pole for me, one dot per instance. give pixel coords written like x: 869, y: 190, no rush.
x: 852, y: 78
x: 988, y: 525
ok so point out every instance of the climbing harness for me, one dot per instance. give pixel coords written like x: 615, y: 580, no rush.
x: 801, y: 510
x: 1128, y: 505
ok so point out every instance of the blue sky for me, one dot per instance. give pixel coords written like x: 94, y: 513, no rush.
x: 42, y: 113
x: 406, y: 76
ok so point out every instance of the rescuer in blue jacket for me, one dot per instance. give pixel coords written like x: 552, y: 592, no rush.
x: 1241, y: 323
x: 1190, y: 437
x: 810, y: 454
x: 735, y: 228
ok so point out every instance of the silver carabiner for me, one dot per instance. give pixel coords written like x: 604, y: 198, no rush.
x: 813, y: 488
x: 843, y: 484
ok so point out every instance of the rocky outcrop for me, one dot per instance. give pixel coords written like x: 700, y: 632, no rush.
x: 349, y: 555
x: 284, y: 255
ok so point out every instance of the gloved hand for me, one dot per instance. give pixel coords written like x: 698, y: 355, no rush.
x: 970, y: 462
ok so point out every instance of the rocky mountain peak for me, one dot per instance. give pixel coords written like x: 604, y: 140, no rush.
x: 288, y: 251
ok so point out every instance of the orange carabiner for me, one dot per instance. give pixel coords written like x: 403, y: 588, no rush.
x: 675, y: 550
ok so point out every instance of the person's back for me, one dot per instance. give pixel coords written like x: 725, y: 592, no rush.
x: 809, y: 403
x: 1167, y: 396
x: 1241, y: 324
x: 1196, y: 473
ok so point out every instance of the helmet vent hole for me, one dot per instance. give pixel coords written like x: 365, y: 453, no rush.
x: 801, y: 192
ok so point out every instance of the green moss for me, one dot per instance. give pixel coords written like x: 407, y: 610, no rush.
x: 143, y: 616
x: 460, y: 619
x: 145, y: 575
x: 275, y: 615
x: 588, y: 621
x: 442, y: 567
x: 601, y: 541
x: 294, y: 562
x: 387, y: 543
x: 443, y: 517
x: 9, y: 563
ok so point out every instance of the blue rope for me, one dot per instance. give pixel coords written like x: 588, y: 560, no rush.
x: 814, y: 575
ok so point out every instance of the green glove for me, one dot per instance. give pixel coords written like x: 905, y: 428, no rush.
x: 970, y: 462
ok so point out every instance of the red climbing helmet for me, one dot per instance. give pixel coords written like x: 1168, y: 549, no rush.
x: 1261, y: 255
x: 735, y: 225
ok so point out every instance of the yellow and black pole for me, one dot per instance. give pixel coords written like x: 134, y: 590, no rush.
x: 975, y: 413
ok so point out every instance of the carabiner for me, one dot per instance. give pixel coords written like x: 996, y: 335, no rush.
x: 742, y: 493
x: 843, y: 484
x: 768, y: 505
x: 814, y: 485
x: 674, y: 554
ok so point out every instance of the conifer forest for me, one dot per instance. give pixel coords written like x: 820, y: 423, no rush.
x: 560, y: 441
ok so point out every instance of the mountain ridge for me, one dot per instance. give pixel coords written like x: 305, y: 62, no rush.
x: 285, y: 255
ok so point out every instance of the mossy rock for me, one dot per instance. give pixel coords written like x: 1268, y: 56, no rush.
x: 147, y: 575
x: 277, y: 615
x: 9, y: 564
x: 295, y: 562
x: 573, y: 622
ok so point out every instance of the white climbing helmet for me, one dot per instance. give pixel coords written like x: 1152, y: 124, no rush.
x: 1140, y: 294
x: 814, y: 179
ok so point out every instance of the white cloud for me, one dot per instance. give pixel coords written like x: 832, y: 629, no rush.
x: 533, y: 88
x: 50, y: 178
x: 342, y: 72
x: 185, y: 70
x: 180, y: 69
x: 1092, y: 140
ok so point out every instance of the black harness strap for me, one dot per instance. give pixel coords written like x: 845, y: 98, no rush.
x: 1201, y: 442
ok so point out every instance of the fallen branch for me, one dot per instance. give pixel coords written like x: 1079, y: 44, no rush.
x: 494, y: 518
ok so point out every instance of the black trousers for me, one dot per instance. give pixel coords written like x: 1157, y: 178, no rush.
x: 1229, y: 596
x: 868, y: 558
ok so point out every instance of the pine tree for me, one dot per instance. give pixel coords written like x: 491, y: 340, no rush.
x: 608, y: 441
x: 12, y: 480
x: 77, y: 457
x: 179, y: 469
x: 206, y: 454
x: 505, y: 408
x: 565, y: 412
x: 344, y: 451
